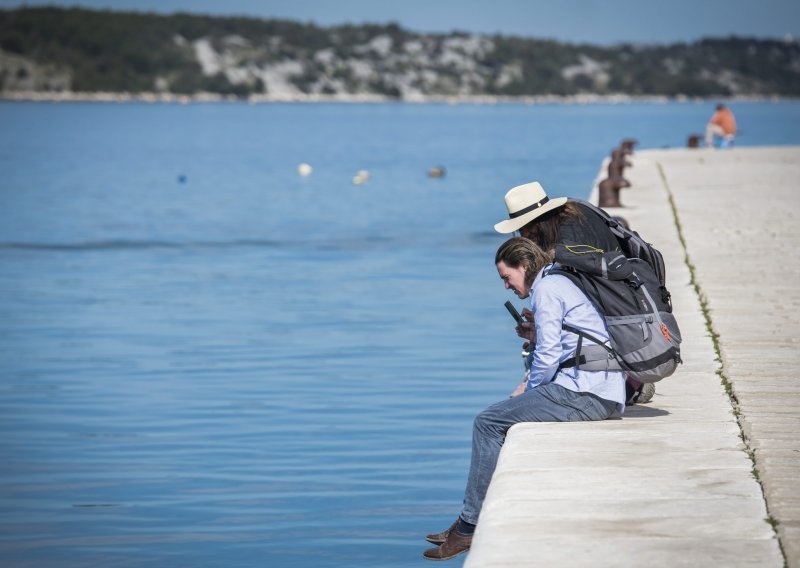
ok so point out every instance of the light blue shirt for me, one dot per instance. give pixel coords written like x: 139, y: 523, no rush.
x: 556, y: 300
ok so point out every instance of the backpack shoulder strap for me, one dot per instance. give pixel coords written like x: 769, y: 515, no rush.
x: 570, y: 273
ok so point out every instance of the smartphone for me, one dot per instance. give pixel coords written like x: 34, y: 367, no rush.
x: 514, y: 313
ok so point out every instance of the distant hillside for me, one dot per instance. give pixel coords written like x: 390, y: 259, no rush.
x: 76, y: 50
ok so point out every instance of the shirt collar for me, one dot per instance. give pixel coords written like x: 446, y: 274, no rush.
x: 542, y: 273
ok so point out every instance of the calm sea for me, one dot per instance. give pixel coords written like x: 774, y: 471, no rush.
x: 208, y: 360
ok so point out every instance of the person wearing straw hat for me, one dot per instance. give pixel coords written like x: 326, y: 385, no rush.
x: 549, y: 222
x: 550, y: 392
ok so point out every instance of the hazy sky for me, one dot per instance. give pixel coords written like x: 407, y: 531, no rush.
x: 589, y: 21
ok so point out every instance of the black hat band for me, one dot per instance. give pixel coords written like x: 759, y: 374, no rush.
x: 529, y: 208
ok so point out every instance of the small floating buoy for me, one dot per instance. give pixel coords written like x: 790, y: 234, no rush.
x: 360, y: 177
x: 437, y: 172
x: 182, y: 179
x: 304, y: 169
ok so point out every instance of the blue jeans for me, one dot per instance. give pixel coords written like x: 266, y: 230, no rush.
x: 545, y: 403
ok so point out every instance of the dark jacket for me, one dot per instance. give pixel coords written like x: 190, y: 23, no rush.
x: 591, y: 230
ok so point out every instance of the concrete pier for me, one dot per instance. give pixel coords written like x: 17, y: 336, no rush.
x: 704, y: 475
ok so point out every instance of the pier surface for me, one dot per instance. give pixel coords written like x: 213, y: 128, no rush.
x: 705, y: 474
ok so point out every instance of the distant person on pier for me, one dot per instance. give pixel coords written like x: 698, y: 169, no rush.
x: 548, y: 222
x: 551, y: 391
x: 721, y: 125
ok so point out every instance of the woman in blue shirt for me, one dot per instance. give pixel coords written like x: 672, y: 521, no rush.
x: 546, y: 393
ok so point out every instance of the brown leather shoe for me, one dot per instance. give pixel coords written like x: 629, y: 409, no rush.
x: 439, y: 538
x: 454, y: 545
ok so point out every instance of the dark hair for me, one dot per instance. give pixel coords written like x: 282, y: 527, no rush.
x: 519, y: 251
x: 545, y: 230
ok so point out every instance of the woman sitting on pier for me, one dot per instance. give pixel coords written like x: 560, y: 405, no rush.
x: 548, y: 393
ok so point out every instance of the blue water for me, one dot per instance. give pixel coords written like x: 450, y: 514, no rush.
x: 207, y: 360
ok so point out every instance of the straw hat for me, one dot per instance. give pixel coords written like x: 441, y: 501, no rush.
x: 525, y: 203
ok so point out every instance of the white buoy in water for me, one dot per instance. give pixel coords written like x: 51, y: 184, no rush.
x: 304, y: 169
x: 360, y: 177
x: 437, y: 172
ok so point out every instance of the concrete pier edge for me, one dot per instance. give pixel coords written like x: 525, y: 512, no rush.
x: 721, y: 372
x: 675, y: 494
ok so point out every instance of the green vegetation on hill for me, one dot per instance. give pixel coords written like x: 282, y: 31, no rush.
x: 88, y: 51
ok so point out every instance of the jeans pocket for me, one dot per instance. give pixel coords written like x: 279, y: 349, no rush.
x: 579, y: 412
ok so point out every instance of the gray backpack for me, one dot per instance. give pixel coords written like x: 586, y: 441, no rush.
x: 644, y: 335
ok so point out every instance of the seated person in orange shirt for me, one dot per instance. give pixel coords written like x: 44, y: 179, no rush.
x: 722, y: 124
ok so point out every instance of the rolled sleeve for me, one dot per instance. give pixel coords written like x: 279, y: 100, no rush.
x: 549, y: 311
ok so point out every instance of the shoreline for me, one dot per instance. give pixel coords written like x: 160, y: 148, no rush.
x: 172, y: 98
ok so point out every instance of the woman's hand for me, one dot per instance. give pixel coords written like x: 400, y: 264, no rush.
x: 521, y: 388
x: 527, y: 329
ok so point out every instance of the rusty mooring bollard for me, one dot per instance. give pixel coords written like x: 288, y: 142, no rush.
x: 617, y: 164
x: 618, y: 155
x: 608, y: 194
x: 628, y: 144
x: 693, y: 141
